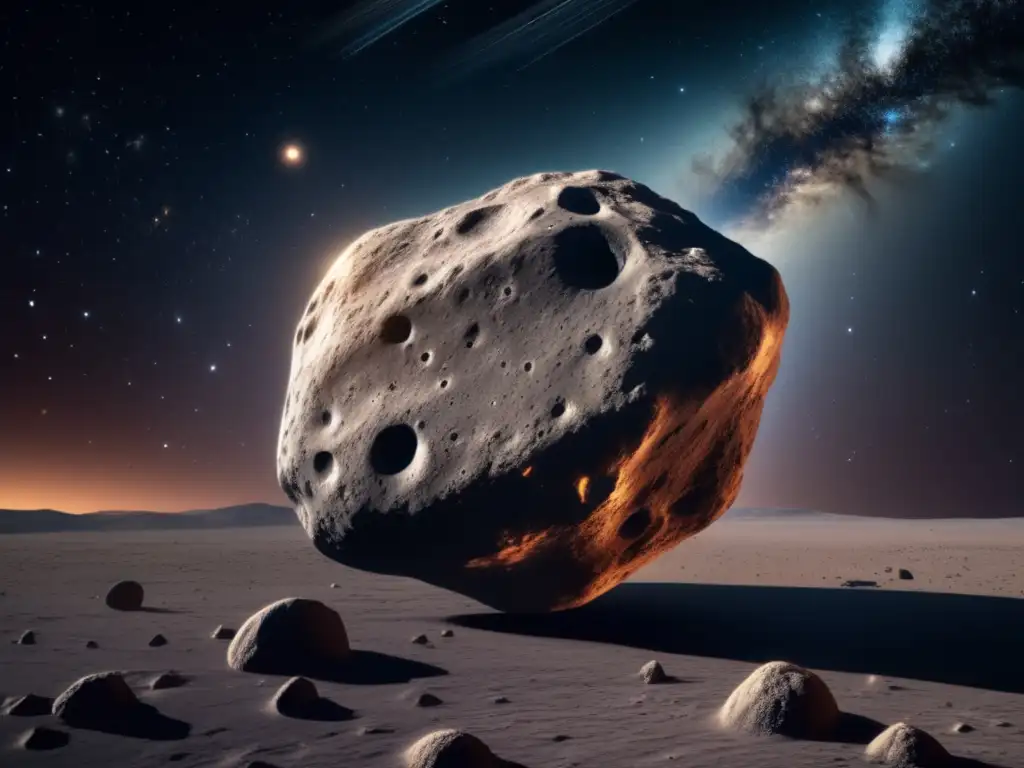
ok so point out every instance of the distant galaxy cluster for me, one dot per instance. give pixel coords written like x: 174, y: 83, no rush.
x: 874, y: 115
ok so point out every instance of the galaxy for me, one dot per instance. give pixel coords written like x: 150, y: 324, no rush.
x: 876, y: 115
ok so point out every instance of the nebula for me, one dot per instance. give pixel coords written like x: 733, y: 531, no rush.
x: 874, y: 115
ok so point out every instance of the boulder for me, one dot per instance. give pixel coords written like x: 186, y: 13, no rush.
x: 28, y: 637
x: 784, y: 699
x: 905, y: 575
x: 91, y: 644
x: 223, y: 633
x: 168, y: 680
x: 904, y: 746
x: 29, y: 705
x: 569, y: 371
x: 447, y: 633
x: 125, y: 596
x: 102, y: 697
x: 428, y: 700
x: 420, y: 640
x: 157, y: 641
x: 296, y: 697
x: 291, y: 636
x: 42, y: 738
x: 653, y: 673
x: 451, y: 749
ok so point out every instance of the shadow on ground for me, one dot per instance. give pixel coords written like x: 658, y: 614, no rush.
x: 360, y: 668
x: 953, y: 639
x: 142, y: 721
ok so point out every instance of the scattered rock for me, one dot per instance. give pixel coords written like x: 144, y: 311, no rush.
x: 905, y: 574
x: 652, y: 673
x: 29, y: 705
x: 560, y: 738
x: 125, y: 596
x: 42, y: 738
x: 1002, y: 724
x: 289, y: 637
x: 451, y: 749
x: 334, y: 585
x: 420, y: 640
x: 500, y: 700
x: 168, y: 680
x: 28, y: 637
x: 428, y: 700
x: 782, y: 698
x: 888, y: 569
x: 962, y: 728
x: 91, y: 644
x: 447, y: 633
x: 100, y: 696
x: 296, y: 697
x: 223, y: 633
x: 560, y: 331
x: 905, y: 746
x: 859, y: 583
x: 157, y: 641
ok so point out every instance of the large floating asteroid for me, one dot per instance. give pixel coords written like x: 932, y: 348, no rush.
x: 526, y: 397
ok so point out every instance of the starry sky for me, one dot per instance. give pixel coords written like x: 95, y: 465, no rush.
x: 177, y: 178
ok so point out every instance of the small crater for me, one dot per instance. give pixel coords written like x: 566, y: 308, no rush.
x: 420, y: 280
x: 471, y: 335
x: 421, y: 424
x: 507, y: 291
x: 578, y: 200
x: 528, y: 367
x: 462, y: 296
x: 593, y: 344
x: 395, y: 329
x: 322, y: 462
x: 425, y: 357
x: 311, y: 307
x: 444, y: 383
x: 438, y: 233
x: 558, y: 410
x: 453, y: 436
x: 537, y: 214
x: 325, y: 417
x: 584, y: 258
x: 634, y: 525
x: 393, y: 449
x: 310, y: 327
x: 475, y: 218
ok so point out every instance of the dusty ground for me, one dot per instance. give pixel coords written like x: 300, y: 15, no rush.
x: 942, y: 648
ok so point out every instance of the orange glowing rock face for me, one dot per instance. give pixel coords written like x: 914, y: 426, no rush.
x: 527, y: 424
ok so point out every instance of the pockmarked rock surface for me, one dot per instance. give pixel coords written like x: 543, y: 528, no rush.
x: 569, y: 371
x: 904, y: 746
x: 289, y: 637
x: 451, y: 748
x: 782, y: 699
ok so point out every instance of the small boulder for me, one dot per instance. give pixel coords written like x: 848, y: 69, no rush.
x: 451, y: 749
x: 906, y: 575
x: 42, y: 738
x: 223, y: 633
x: 782, y: 698
x: 296, y: 697
x: 289, y: 637
x: 27, y: 706
x: 962, y: 728
x: 100, y: 697
x: 447, y: 633
x: 125, y: 596
x: 157, y: 641
x: 652, y: 673
x: 904, y: 746
x: 334, y: 585
x: 28, y: 637
x: 420, y: 640
x: 428, y: 700
x: 168, y: 680
x: 500, y: 700
x: 91, y: 644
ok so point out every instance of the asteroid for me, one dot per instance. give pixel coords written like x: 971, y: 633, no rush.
x: 569, y: 371
x: 784, y: 699
x: 904, y: 746
x: 125, y: 596
x: 288, y: 637
x: 452, y: 749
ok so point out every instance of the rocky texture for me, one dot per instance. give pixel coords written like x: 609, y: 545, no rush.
x: 289, y: 637
x: 653, y: 673
x: 103, y: 695
x: 904, y: 746
x: 125, y: 596
x: 223, y: 633
x: 569, y: 371
x: 451, y: 749
x: 42, y: 738
x: 782, y: 698
x: 27, y: 706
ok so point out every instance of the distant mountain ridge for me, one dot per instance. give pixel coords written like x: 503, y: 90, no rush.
x: 52, y: 521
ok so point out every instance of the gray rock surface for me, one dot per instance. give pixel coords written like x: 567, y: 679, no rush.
x: 784, y: 699
x: 569, y: 371
x: 102, y: 696
x: 451, y: 749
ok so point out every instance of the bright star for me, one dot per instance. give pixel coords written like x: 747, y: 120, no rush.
x: 293, y: 155
x: 213, y: 368
x: 31, y: 302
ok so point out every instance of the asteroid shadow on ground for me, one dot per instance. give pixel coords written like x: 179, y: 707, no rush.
x: 945, y: 638
x: 361, y: 668
x: 142, y: 721
x: 323, y: 710
x: 148, y: 609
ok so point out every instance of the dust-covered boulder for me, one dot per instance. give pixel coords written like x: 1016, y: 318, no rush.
x: 652, y: 673
x: 41, y: 738
x: 904, y: 746
x: 451, y: 749
x: 296, y: 697
x: 125, y: 596
x: 568, y: 371
x: 166, y: 680
x: 784, y: 699
x: 290, y: 637
x: 29, y: 705
x: 223, y: 633
x: 96, y: 698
